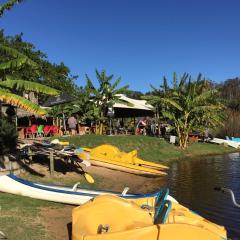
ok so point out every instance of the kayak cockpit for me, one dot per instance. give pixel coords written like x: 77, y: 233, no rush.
x: 110, y: 217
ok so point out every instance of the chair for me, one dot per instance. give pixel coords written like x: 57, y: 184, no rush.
x: 40, y: 131
x: 46, y: 130
x: 81, y: 130
x: 31, y: 131
x: 87, y: 130
x: 54, y: 130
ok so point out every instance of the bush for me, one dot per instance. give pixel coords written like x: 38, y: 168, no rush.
x: 231, y: 125
x: 8, y: 136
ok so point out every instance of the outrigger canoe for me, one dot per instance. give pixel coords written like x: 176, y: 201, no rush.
x: 111, y: 157
x: 60, y: 193
x: 112, y: 218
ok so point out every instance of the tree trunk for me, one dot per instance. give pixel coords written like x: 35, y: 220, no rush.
x: 101, y: 124
x: 182, y: 136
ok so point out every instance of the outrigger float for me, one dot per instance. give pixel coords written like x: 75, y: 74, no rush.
x: 111, y: 157
x: 109, y: 217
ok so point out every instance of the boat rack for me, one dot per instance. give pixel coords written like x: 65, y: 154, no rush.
x: 51, y: 153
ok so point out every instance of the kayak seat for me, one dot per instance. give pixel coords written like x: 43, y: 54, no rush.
x: 116, y: 213
x: 161, y: 214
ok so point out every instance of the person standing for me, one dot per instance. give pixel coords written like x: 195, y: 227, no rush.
x: 72, y: 123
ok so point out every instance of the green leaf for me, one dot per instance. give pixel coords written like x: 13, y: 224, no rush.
x: 22, y: 85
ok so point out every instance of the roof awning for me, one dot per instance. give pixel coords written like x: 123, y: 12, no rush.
x: 138, y: 108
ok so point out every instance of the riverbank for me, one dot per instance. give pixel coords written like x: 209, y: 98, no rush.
x: 151, y: 148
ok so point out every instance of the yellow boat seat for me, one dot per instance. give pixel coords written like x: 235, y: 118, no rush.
x: 121, y: 215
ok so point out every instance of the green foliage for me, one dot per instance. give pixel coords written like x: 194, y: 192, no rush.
x: 21, y: 102
x: 190, y: 105
x: 27, y: 86
x: 56, y: 76
x: 9, y: 87
x: 8, y: 6
x: 8, y: 136
x: 105, y: 95
x: 83, y: 106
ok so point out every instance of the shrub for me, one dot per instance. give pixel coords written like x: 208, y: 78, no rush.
x: 8, y: 136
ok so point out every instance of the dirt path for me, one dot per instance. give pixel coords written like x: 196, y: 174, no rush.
x: 57, y: 222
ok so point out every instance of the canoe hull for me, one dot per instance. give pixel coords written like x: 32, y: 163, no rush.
x: 58, y: 193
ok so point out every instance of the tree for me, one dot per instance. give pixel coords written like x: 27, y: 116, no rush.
x: 57, y: 76
x: 11, y: 88
x: 105, y: 96
x: 8, y: 6
x: 190, y: 105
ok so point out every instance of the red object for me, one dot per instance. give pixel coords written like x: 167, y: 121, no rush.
x: 31, y: 130
x: 54, y: 130
x: 47, y: 130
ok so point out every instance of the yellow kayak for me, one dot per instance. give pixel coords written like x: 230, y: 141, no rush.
x: 109, y: 217
x: 111, y: 157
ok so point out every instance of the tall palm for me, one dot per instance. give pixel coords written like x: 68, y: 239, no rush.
x: 11, y: 88
x: 190, y: 105
x: 105, y: 95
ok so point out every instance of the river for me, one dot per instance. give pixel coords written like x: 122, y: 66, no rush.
x: 192, y: 183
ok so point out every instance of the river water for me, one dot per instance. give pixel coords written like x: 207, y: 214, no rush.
x: 192, y: 184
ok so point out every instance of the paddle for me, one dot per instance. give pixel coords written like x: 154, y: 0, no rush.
x: 88, y: 177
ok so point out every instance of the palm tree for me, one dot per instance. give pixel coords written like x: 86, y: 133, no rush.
x: 12, y: 88
x: 8, y: 5
x: 105, y: 96
x: 190, y: 105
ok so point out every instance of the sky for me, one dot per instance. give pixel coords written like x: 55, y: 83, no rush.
x: 139, y: 40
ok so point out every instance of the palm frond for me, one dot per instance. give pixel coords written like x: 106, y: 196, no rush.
x: 21, y: 85
x: 21, y: 102
x: 18, y: 60
x: 8, y: 5
x: 172, y: 103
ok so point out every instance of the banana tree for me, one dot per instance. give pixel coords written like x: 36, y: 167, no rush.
x: 190, y: 105
x: 12, y: 89
x: 104, y: 96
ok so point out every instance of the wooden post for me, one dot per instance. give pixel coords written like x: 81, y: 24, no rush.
x: 51, y: 158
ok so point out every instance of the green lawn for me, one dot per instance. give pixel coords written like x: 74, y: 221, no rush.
x: 150, y: 148
x: 19, y: 217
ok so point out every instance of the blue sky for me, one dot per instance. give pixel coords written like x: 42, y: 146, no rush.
x: 138, y: 40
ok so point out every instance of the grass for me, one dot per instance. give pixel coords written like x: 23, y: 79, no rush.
x: 150, y: 148
x: 19, y: 217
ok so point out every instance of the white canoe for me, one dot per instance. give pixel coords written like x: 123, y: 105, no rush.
x: 228, y: 142
x: 59, y: 193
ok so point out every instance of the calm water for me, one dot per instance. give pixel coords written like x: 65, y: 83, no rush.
x: 192, y: 183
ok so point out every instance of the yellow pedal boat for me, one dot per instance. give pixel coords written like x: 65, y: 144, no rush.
x: 111, y: 157
x: 112, y: 218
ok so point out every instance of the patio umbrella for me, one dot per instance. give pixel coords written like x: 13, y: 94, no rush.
x: 58, y: 100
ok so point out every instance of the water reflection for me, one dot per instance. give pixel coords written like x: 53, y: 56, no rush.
x: 192, y: 183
